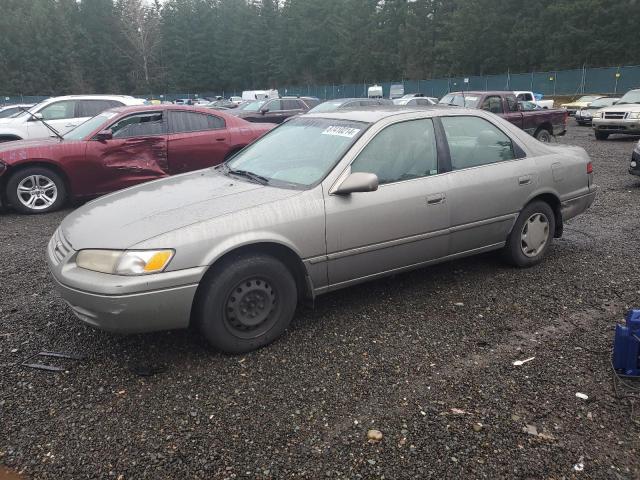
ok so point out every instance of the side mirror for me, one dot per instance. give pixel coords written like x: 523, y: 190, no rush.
x: 104, y: 135
x: 35, y: 117
x: 264, y: 110
x: 358, y: 182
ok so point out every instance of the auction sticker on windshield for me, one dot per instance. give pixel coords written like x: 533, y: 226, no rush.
x: 348, y: 132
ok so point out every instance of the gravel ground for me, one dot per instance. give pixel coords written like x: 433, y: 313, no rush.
x: 400, y: 355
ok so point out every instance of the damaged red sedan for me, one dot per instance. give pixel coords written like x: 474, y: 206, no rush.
x: 119, y: 148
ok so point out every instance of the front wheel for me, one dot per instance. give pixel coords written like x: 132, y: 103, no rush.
x: 531, y: 235
x: 543, y: 135
x: 601, y: 135
x: 36, y: 190
x: 246, y: 303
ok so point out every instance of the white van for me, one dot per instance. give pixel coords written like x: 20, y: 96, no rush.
x: 375, y: 91
x: 260, y: 94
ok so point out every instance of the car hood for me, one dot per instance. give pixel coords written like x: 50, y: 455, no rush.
x: 626, y: 107
x: 15, y: 151
x: 123, y: 219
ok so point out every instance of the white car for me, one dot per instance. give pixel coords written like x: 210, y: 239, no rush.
x: 527, y: 96
x: 61, y: 113
x: 11, y: 110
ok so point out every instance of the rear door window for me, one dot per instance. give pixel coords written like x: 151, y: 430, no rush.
x: 91, y: 108
x: 139, y: 125
x: 182, y: 122
x: 473, y: 141
x: 291, y: 105
x: 492, y: 104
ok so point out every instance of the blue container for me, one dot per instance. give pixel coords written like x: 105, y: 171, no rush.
x: 626, y: 346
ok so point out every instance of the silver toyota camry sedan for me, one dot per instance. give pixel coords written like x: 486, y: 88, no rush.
x: 322, y: 202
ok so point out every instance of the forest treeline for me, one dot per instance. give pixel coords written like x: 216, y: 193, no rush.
x: 141, y: 46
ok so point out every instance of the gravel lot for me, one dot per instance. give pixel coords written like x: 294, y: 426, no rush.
x: 400, y: 355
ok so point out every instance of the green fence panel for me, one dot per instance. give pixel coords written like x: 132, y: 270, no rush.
x: 600, y: 80
x: 567, y: 82
x: 496, y: 82
x: 629, y: 78
x: 520, y: 81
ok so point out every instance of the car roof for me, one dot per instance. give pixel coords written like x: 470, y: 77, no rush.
x: 482, y: 92
x: 377, y: 113
x: 144, y: 108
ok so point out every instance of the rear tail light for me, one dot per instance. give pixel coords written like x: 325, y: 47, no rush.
x: 566, y: 118
x: 590, y: 167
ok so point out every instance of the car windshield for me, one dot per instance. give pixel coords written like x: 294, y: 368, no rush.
x: 601, y: 102
x: 84, y: 129
x: 632, y: 96
x: 252, y: 106
x: 402, y: 101
x: 299, y: 153
x: 460, y: 100
x: 329, y: 106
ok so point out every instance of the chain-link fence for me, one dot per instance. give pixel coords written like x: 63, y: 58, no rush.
x: 603, y: 80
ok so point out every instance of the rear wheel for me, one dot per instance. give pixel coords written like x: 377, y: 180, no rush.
x: 36, y: 190
x: 601, y: 135
x: 543, y: 135
x: 531, y: 235
x: 246, y: 303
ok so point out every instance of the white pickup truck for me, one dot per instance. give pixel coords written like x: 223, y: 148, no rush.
x: 524, y: 96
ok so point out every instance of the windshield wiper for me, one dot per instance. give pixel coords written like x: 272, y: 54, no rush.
x: 35, y: 117
x: 250, y: 175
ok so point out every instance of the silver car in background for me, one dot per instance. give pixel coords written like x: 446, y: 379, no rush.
x: 322, y: 202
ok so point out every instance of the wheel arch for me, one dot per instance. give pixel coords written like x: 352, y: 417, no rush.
x: 553, y: 201
x: 544, y: 126
x: 280, y: 251
x: 41, y: 162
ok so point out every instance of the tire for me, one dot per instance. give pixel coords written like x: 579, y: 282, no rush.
x: 22, y: 194
x: 523, y: 252
x: 543, y: 135
x: 601, y: 135
x: 232, y: 296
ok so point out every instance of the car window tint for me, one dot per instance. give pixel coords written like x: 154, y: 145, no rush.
x: 474, y: 141
x: 193, y: 122
x: 141, y: 124
x: 291, y: 105
x: 59, y: 110
x: 401, y: 151
x: 312, y: 102
x: 91, y: 108
x: 525, y: 97
x: 512, y: 104
x: 274, y: 105
x: 492, y: 104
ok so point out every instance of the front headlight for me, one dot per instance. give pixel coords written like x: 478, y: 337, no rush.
x: 597, y: 115
x: 128, y: 262
x: 634, y: 115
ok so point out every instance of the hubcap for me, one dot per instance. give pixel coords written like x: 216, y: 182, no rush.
x: 37, y: 192
x: 534, y: 235
x: 250, y: 306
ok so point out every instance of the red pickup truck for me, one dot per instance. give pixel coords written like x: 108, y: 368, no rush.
x: 542, y: 124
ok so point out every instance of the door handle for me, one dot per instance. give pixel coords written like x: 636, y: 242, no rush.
x: 524, y: 180
x: 220, y: 139
x: 436, y: 199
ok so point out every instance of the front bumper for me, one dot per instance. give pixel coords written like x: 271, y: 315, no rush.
x: 119, y: 303
x: 634, y: 168
x: 576, y: 206
x: 583, y: 119
x: 625, y: 126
